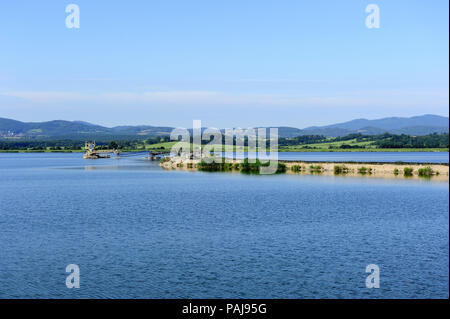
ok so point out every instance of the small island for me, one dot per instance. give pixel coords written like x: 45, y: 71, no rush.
x: 367, y: 169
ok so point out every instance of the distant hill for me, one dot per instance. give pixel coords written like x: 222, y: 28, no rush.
x: 75, y: 130
x: 392, y: 123
x: 417, y: 125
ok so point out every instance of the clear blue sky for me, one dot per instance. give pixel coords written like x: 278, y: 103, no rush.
x: 228, y: 63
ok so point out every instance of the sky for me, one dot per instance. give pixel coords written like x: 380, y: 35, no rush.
x: 233, y: 63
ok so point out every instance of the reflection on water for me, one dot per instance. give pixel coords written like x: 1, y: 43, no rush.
x: 137, y: 231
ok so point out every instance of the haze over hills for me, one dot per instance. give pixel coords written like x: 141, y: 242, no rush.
x: 416, y: 125
x: 59, y: 129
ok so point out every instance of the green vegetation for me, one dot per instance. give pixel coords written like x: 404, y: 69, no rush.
x: 248, y: 167
x: 297, y: 168
x: 369, y: 150
x: 408, y: 171
x: 315, y: 169
x: 155, y: 143
x: 113, y: 145
x: 305, y: 143
x: 407, y: 141
x: 372, y: 143
x: 254, y: 167
x: 281, y: 168
x: 340, y: 169
x: 364, y: 170
x: 164, y: 160
x: 425, y: 172
x: 215, y: 166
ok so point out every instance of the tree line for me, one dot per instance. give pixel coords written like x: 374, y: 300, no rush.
x: 385, y: 140
x: 77, y: 145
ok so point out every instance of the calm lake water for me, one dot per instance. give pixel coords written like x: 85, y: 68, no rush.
x: 137, y: 231
x: 408, y: 157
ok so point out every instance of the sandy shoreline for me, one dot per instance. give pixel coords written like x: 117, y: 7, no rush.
x: 380, y: 170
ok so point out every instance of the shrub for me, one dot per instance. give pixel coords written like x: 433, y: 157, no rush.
x: 408, y: 171
x: 296, y: 168
x: 364, y: 170
x: 164, y: 159
x: 281, y: 168
x: 227, y: 166
x: 425, y: 171
x: 214, y: 166
x: 396, y: 171
x: 254, y: 168
x: 340, y: 169
x: 315, y: 168
x: 247, y: 167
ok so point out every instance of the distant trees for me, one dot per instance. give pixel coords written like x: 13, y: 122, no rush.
x: 346, y: 146
x: 303, y: 139
x: 406, y: 141
x: 385, y: 140
x: 113, y: 145
x: 41, y: 145
x: 306, y: 141
x: 157, y: 139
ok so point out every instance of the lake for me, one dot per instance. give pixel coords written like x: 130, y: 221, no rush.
x: 137, y: 231
x: 384, y: 157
